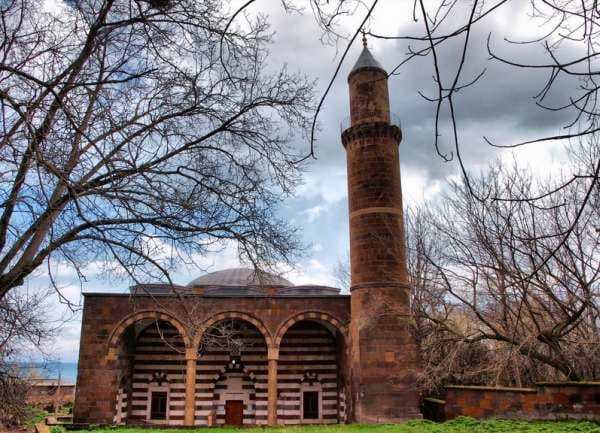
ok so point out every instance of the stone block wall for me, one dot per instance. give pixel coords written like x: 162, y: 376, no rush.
x: 546, y: 401
x: 384, y: 355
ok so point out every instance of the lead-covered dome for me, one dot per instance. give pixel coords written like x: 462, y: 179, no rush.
x: 237, y: 282
x: 240, y: 277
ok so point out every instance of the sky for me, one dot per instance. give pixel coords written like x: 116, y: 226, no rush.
x: 499, y: 106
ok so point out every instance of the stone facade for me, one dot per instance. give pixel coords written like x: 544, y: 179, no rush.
x: 123, y: 357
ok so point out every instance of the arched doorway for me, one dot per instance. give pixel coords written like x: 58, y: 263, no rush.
x: 231, y: 374
x: 151, y: 363
x: 235, y: 394
x: 310, y: 385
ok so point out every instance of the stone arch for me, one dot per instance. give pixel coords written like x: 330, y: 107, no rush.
x: 127, y: 321
x: 232, y: 315
x: 315, y: 316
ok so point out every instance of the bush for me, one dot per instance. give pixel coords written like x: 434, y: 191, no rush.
x: 13, y: 392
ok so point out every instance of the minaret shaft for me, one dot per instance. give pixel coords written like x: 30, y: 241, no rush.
x: 384, y: 355
x: 369, y: 100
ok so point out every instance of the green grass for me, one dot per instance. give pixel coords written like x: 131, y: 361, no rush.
x: 35, y: 415
x: 459, y: 425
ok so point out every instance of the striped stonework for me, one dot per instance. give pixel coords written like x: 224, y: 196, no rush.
x: 307, y: 362
x: 343, y: 407
x: 121, y: 405
x: 218, y: 380
x: 139, y: 317
x: 235, y: 385
x: 158, y: 365
x: 231, y: 368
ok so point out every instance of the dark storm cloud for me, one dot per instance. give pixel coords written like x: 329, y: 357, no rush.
x: 499, y: 106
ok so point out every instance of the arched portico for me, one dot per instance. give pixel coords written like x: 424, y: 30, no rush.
x: 232, y: 369
x: 109, y: 322
x: 311, y: 369
x: 149, y: 391
x: 231, y: 315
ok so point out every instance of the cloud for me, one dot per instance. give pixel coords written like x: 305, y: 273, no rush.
x: 313, y: 213
x: 312, y: 271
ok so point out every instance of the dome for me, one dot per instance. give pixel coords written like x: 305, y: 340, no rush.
x: 239, y: 277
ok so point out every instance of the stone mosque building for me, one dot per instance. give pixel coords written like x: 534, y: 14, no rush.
x: 240, y: 348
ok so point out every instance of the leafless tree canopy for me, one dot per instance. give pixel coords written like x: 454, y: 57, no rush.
x: 139, y: 133
x: 566, y: 32
x: 24, y: 325
x: 499, y: 297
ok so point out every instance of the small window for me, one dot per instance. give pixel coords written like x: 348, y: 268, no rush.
x: 311, y: 404
x: 158, y: 408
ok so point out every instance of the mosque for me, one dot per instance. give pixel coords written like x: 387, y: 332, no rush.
x: 238, y: 347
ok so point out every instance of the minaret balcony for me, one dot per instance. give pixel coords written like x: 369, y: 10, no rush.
x: 371, y: 131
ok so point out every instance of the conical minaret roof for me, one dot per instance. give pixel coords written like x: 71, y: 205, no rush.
x: 366, y: 60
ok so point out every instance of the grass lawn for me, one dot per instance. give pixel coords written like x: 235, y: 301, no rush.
x: 35, y: 415
x: 459, y: 425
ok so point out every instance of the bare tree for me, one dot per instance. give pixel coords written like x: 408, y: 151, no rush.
x: 485, y: 278
x: 341, y: 273
x: 24, y: 325
x: 139, y: 134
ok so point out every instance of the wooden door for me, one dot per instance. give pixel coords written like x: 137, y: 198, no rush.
x: 234, y: 412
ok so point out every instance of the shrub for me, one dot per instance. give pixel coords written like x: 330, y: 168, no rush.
x: 13, y: 391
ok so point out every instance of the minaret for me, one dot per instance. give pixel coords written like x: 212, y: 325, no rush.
x: 384, y: 355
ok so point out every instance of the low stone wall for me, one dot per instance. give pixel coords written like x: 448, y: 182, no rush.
x: 47, y: 396
x: 546, y: 401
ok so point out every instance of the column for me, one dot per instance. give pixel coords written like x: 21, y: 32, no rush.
x: 273, y: 357
x: 190, y: 387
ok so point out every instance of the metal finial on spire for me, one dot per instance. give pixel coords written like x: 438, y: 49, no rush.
x: 366, y: 59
